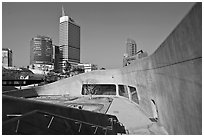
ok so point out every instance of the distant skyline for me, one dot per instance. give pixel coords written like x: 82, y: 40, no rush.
x: 105, y: 27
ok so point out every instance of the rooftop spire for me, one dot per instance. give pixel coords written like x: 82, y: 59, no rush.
x: 63, y: 14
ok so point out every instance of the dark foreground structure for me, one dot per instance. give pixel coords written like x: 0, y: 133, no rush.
x: 159, y: 94
x: 44, y: 118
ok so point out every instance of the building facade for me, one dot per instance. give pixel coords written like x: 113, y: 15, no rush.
x: 131, y: 47
x: 131, y: 59
x: 131, y: 53
x: 69, y: 40
x: 41, y: 53
x: 7, y: 57
x: 88, y: 67
x: 56, y: 57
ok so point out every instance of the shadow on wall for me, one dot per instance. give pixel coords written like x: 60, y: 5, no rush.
x: 172, y: 77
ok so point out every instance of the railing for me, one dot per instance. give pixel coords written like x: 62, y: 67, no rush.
x: 22, y: 116
x: 39, y: 122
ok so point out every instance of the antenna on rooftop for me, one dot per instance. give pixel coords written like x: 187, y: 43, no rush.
x: 63, y: 14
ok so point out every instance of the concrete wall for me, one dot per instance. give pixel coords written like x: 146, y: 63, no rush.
x: 172, y: 76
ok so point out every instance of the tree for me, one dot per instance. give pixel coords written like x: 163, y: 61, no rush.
x: 67, y: 66
x: 89, y: 86
x: 78, y: 70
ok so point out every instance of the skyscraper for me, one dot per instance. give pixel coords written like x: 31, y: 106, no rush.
x: 41, y: 52
x: 7, y: 57
x: 69, y: 40
x: 131, y: 47
x: 56, y: 57
x: 131, y: 53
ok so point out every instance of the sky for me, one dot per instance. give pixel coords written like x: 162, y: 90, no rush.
x: 105, y: 27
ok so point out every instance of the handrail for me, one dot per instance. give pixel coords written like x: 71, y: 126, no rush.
x: 81, y: 123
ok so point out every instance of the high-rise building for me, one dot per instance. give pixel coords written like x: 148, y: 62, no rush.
x: 130, y: 59
x: 131, y: 47
x: 69, y: 40
x: 7, y: 57
x: 56, y: 57
x: 131, y: 53
x: 41, y: 53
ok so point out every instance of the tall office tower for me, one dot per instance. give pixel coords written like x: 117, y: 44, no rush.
x: 69, y: 40
x: 7, y: 57
x: 41, y: 53
x: 56, y: 57
x: 131, y: 47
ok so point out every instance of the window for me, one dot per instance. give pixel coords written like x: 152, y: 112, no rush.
x: 134, y: 95
x: 99, y: 89
x: 123, y: 91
